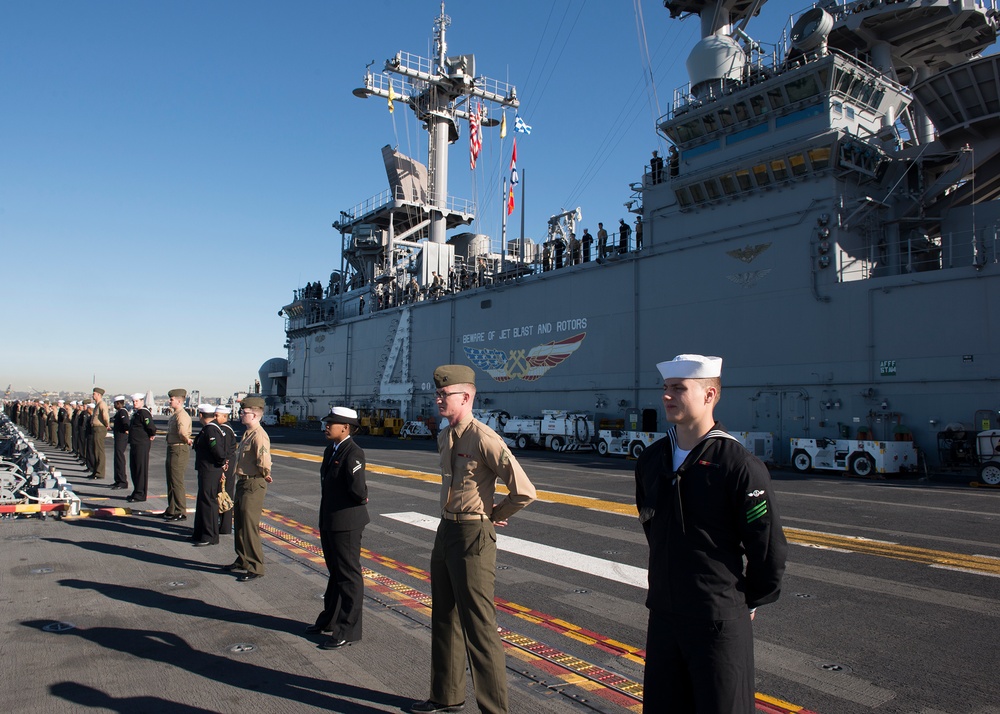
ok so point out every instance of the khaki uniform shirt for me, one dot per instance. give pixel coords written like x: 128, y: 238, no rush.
x: 253, y: 457
x: 473, y: 457
x: 179, y: 427
x: 101, y: 415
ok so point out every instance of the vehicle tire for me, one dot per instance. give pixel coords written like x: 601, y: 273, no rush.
x: 602, y: 447
x: 802, y: 462
x: 862, y: 465
x: 522, y: 441
x: 556, y: 443
x: 989, y: 473
x: 636, y: 448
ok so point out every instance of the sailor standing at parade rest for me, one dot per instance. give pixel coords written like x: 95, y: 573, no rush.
x: 253, y: 473
x: 716, y: 550
x: 119, y: 427
x: 222, y: 413
x: 100, y: 423
x: 141, y: 432
x: 210, y: 456
x: 463, y: 561
x: 343, y: 515
x: 178, y: 454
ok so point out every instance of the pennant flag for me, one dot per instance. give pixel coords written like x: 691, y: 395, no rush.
x: 513, y: 178
x: 503, y: 126
x: 519, y: 126
x: 475, y: 138
x: 392, y: 95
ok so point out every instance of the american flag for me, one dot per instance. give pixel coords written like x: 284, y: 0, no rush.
x: 475, y: 137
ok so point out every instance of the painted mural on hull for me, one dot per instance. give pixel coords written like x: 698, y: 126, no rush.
x: 816, y: 224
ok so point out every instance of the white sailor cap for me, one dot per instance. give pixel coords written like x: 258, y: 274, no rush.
x: 223, y: 409
x: 206, y: 409
x: 61, y: 401
x: 120, y: 398
x: 73, y: 403
x: 342, y: 415
x: 691, y: 367
x: 137, y: 395
x: 92, y: 405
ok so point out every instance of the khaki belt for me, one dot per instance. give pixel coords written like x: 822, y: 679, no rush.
x: 464, y: 516
x: 244, y: 476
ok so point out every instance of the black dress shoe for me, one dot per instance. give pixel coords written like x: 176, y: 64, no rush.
x: 246, y: 577
x: 203, y: 543
x: 317, y: 629
x: 176, y: 517
x: 134, y: 499
x: 432, y: 706
x: 233, y: 567
x: 334, y: 644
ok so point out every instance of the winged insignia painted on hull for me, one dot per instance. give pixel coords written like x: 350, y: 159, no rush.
x: 516, y: 364
x: 749, y: 279
x: 748, y: 254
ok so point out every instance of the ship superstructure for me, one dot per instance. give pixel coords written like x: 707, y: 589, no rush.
x: 825, y: 220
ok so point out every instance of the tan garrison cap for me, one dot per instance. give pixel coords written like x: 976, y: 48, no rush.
x: 177, y: 393
x: 257, y: 402
x: 98, y: 390
x: 449, y: 374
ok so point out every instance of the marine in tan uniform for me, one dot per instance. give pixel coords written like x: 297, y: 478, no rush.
x: 178, y: 454
x: 99, y: 422
x: 463, y: 561
x: 253, y: 473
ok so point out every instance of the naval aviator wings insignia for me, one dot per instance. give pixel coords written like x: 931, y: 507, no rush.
x: 748, y: 279
x: 516, y: 364
x: 748, y: 253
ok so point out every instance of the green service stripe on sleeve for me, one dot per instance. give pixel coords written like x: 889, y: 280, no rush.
x: 757, y: 511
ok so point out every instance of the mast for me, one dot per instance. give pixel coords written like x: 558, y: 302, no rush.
x: 441, y: 92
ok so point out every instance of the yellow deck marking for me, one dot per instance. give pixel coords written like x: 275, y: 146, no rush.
x: 973, y: 563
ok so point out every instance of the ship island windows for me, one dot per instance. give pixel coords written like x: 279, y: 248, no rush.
x: 744, y: 180
x: 802, y: 88
x: 779, y: 169
x: 728, y: 183
x: 820, y: 158
x: 742, y: 111
x: 726, y: 117
x: 798, y: 164
x: 760, y: 175
x: 758, y: 105
x: 776, y: 98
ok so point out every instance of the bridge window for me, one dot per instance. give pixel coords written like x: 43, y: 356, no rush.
x: 760, y: 175
x: 728, y: 183
x: 802, y: 88
x: 758, y: 105
x: 820, y: 158
x: 776, y: 97
x: 798, y: 163
x: 742, y: 111
x: 726, y: 117
x: 780, y: 169
x: 712, y: 190
x: 744, y: 180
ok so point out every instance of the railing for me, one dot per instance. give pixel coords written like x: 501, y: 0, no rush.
x: 453, y: 204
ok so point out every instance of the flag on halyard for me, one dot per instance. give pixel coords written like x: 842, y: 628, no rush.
x: 392, y: 95
x: 519, y: 126
x: 503, y: 126
x: 513, y: 178
x: 475, y: 138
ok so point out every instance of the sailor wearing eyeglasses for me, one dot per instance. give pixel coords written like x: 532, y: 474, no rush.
x: 716, y: 550
x: 463, y: 560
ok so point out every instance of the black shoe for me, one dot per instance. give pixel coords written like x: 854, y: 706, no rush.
x: 134, y: 499
x: 246, y: 577
x: 317, y: 629
x: 118, y: 486
x: 233, y: 567
x: 176, y: 517
x: 334, y: 644
x: 203, y: 543
x: 432, y: 706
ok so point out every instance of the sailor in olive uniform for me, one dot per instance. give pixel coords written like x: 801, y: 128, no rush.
x: 119, y: 428
x: 463, y: 561
x: 343, y: 516
x: 253, y: 473
x: 178, y: 454
x: 100, y: 423
x: 210, y: 455
x: 141, y: 432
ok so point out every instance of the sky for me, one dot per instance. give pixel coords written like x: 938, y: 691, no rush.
x: 170, y: 170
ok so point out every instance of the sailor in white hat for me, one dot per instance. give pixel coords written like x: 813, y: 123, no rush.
x: 119, y: 429
x: 209, y: 458
x: 141, y: 432
x: 343, y: 516
x: 222, y: 414
x: 716, y: 549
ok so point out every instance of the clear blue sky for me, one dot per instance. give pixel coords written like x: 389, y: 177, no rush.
x: 169, y: 170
